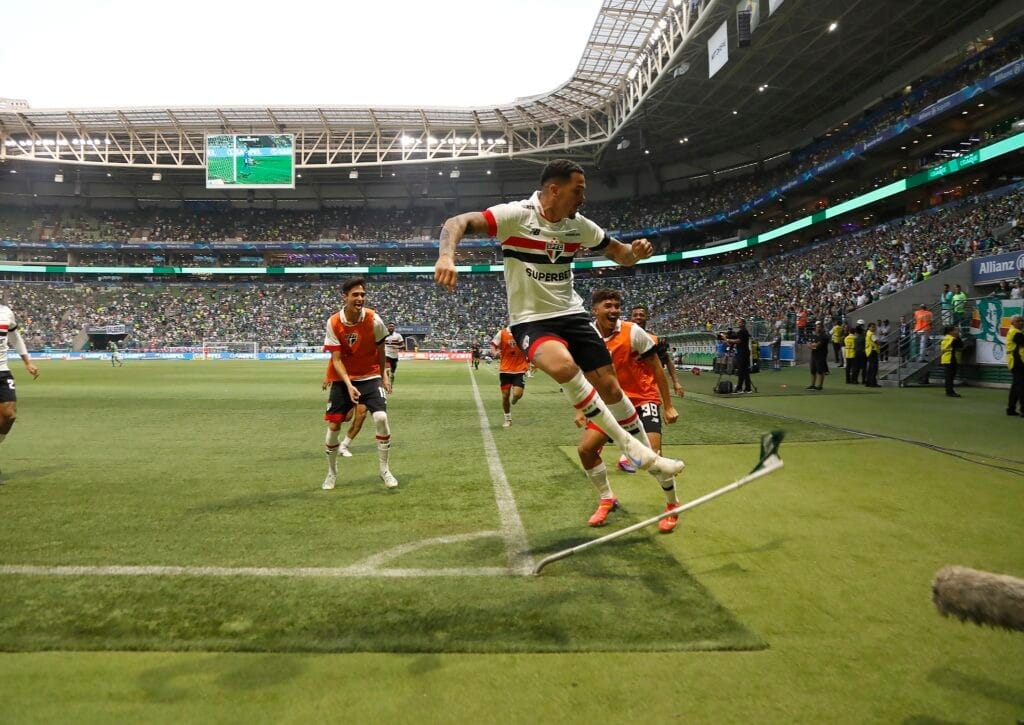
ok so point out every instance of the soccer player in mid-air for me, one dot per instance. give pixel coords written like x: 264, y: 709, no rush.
x: 539, y: 238
x: 392, y: 344
x: 10, y: 337
x: 357, y: 373
x: 510, y: 374
x: 634, y: 355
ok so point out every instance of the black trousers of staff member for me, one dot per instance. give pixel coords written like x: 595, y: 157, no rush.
x: 838, y: 351
x: 860, y: 363
x: 871, y: 370
x: 1016, y: 389
x: 950, y: 369
x: 743, y: 374
x: 851, y: 370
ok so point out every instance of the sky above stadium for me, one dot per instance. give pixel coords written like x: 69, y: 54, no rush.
x: 59, y: 54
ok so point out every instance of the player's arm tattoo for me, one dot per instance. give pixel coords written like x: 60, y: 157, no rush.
x: 456, y: 227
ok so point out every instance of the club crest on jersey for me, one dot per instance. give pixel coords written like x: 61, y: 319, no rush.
x: 352, y: 339
x: 554, y: 249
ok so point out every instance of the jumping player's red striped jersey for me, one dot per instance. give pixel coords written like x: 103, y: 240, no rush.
x: 538, y: 258
x: 358, y: 344
x: 7, y: 324
x: 513, y: 360
x: 633, y: 354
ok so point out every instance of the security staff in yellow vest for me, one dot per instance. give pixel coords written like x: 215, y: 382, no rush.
x: 849, y: 343
x: 950, y: 356
x: 871, y: 358
x: 837, y: 343
x: 1015, y: 361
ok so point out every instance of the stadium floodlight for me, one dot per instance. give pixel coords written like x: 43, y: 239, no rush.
x: 833, y: 26
x: 58, y: 178
x: 431, y: 140
x: 623, y: 145
x: 454, y: 174
x: 680, y: 69
x: 353, y: 174
x: 500, y: 142
x: 157, y: 176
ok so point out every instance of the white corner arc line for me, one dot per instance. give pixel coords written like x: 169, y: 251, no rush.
x: 512, y: 528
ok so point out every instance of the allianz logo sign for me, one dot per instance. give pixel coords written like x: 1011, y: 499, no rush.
x: 1007, y: 266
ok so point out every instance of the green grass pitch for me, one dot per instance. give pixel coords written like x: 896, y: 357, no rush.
x: 802, y: 598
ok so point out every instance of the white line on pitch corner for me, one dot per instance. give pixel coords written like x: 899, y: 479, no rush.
x: 512, y: 529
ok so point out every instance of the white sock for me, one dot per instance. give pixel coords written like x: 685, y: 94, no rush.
x: 380, y: 420
x: 625, y: 413
x: 508, y: 416
x: 598, y: 476
x: 331, y: 449
x: 585, y: 399
x: 668, y: 487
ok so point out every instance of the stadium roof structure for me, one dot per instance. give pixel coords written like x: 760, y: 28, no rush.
x: 628, y: 81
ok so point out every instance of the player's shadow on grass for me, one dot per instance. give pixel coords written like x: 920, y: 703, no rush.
x: 174, y: 683
x: 773, y: 545
x: 29, y: 474
x: 953, y: 680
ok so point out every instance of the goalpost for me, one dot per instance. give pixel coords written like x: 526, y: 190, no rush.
x: 213, y: 348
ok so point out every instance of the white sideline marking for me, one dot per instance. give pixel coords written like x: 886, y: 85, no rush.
x: 229, y: 571
x: 512, y: 529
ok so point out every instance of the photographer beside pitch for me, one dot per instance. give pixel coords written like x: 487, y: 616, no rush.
x: 539, y: 238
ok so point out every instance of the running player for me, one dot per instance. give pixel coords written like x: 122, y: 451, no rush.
x: 247, y: 162
x: 357, y: 373
x: 639, y: 316
x: 392, y: 344
x: 115, y: 356
x: 10, y: 337
x: 539, y: 238
x: 474, y: 352
x: 634, y: 354
x: 513, y: 368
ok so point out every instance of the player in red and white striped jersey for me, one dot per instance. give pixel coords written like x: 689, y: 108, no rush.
x: 10, y: 337
x: 539, y: 238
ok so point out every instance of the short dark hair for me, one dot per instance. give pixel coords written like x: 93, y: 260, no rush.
x: 600, y: 294
x: 640, y: 307
x: 560, y: 170
x: 352, y: 284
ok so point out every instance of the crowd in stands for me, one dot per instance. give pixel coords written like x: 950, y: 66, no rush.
x: 728, y: 194
x: 215, y: 224
x: 826, y: 281
x: 831, y: 279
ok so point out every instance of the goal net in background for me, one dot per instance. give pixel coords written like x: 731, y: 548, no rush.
x: 212, y: 349
x: 221, y: 165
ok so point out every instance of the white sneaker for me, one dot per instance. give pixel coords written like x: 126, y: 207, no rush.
x: 506, y: 424
x: 344, y: 452
x: 328, y: 483
x: 389, y: 480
